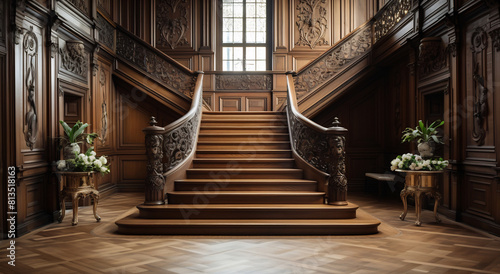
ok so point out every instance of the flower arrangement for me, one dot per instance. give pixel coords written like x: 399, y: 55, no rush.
x: 85, y: 162
x: 75, y: 134
x: 410, y: 161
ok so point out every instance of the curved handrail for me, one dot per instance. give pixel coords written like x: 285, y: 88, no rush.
x: 323, y: 148
x: 168, y: 147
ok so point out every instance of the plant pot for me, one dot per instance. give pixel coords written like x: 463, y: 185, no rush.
x: 70, y: 150
x: 426, y: 149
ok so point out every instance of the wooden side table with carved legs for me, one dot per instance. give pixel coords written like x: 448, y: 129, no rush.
x: 418, y: 184
x: 76, y: 185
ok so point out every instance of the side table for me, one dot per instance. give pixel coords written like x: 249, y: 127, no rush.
x: 416, y: 184
x: 76, y: 185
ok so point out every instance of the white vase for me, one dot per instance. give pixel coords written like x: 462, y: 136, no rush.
x: 70, y: 150
x: 426, y: 149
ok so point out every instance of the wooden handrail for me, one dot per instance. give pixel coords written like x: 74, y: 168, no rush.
x: 164, y: 148
x: 323, y: 148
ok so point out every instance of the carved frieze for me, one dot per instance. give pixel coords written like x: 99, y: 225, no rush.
x: 495, y: 38
x: 154, y: 64
x: 30, y: 46
x: 104, y: 107
x: 392, y: 13
x: 312, y: 23
x: 82, y: 5
x: 106, y: 32
x: 74, y: 58
x: 173, y: 22
x: 335, y: 60
x: 244, y: 82
x: 432, y: 56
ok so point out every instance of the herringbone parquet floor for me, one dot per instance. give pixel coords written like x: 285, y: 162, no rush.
x: 401, y: 247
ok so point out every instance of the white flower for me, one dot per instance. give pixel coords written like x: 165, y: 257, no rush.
x: 61, y: 164
x: 92, y: 153
x: 418, y: 158
x: 393, y: 168
x: 97, y: 163
x: 81, y: 156
x: 104, y: 169
x: 91, y: 158
x: 103, y: 160
x: 434, y: 162
x: 400, y: 165
x: 413, y: 166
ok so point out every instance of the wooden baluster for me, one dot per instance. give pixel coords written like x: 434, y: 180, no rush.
x: 337, y: 183
x: 155, y: 181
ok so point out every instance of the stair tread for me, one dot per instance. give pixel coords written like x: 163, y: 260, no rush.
x: 266, y: 170
x: 350, y: 206
x: 243, y: 127
x: 250, y: 192
x: 236, y: 150
x: 212, y: 119
x: 244, y: 142
x: 243, y: 112
x: 253, y: 181
x: 236, y: 134
x: 245, y: 159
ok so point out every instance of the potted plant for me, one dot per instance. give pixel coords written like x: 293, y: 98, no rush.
x: 84, y: 162
x: 75, y: 135
x: 426, y: 136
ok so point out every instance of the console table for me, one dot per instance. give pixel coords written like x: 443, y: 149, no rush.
x: 416, y: 184
x: 76, y: 185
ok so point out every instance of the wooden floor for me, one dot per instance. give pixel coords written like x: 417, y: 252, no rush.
x: 401, y: 247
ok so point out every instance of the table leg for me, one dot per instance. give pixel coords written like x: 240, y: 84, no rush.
x: 403, y: 195
x: 95, y: 196
x: 418, y: 207
x: 63, y: 208
x: 76, y: 197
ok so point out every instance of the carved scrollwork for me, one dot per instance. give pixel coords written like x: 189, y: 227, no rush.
x: 311, y: 23
x: 391, y: 15
x: 74, y: 59
x: 432, y: 56
x: 152, y: 63
x: 479, y: 44
x: 104, y: 107
x: 244, y: 82
x: 495, y: 38
x: 30, y: 45
x: 172, y: 19
x: 334, y: 61
x: 155, y: 179
x: 106, y: 32
x: 337, y: 164
x: 82, y: 5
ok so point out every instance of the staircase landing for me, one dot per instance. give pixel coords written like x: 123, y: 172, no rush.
x: 244, y: 182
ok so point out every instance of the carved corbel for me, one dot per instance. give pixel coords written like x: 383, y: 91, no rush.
x: 18, y: 31
x: 73, y: 57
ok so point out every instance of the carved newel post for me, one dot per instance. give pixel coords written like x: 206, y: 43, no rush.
x: 337, y: 182
x: 155, y: 181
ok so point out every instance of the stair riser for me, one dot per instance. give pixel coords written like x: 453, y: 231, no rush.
x: 196, y: 174
x: 245, y: 146
x: 204, y: 213
x: 243, y: 187
x: 245, y: 123
x: 244, y: 155
x: 221, y: 229
x: 242, y: 164
x: 220, y: 198
x: 255, y: 131
x: 250, y: 138
x: 236, y: 116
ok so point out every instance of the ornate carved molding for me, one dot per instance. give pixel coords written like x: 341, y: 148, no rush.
x: 334, y: 61
x: 104, y: 107
x: 432, y: 56
x: 495, y: 38
x: 82, y: 5
x: 311, y: 23
x: 106, y: 32
x: 391, y: 15
x: 18, y: 31
x: 479, y: 44
x: 172, y: 22
x: 95, y: 61
x: 155, y: 180
x: 74, y: 59
x: 244, y: 82
x: 154, y: 64
x: 30, y: 46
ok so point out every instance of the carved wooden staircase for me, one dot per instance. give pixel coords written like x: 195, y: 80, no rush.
x: 244, y: 181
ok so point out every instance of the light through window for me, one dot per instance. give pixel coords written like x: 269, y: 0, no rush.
x: 244, y: 35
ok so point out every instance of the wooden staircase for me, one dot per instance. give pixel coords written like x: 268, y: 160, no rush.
x: 244, y: 182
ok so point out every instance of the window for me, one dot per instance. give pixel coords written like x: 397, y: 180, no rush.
x: 245, y: 35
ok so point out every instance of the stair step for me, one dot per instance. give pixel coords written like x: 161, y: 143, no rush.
x: 245, y: 197
x: 238, y: 154
x: 238, y: 211
x: 244, y: 129
x: 250, y: 115
x: 245, y: 185
x: 358, y: 226
x: 243, y: 145
x: 245, y: 122
x: 243, y: 163
x: 249, y: 137
x: 244, y: 173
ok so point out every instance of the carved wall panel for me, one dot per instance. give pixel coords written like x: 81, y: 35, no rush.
x: 173, y: 23
x: 106, y: 33
x: 102, y: 107
x: 74, y: 59
x: 432, y: 56
x: 249, y: 101
x: 312, y: 23
x: 244, y: 82
x: 33, y: 113
x: 81, y: 5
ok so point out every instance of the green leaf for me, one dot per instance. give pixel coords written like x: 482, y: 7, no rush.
x: 66, y: 128
x: 89, y: 151
x: 80, y: 130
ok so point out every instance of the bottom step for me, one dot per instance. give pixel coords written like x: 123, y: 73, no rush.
x: 359, y: 226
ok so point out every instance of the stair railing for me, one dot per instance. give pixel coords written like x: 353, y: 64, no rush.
x: 323, y: 148
x: 169, y: 147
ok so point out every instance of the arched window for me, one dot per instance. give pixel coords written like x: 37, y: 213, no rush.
x: 244, y: 35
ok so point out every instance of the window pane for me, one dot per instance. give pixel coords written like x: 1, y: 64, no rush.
x: 228, y: 66
x: 250, y: 65
x: 238, y: 66
x: 261, y: 53
x: 250, y: 24
x: 261, y: 65
x: 250, y: 53
x: 261, y: 10
x: 250, y: 9
x: 227, y: 53
x: 250, y: 37
x: 238, y: 53
x: 261, y: 24
x: 228, y: 10
x: 228, y: 37
x: 238, y: 10
x: 260, y: 37
x: 238, y: 24
x: 238, y: 37
x: 228, y: 24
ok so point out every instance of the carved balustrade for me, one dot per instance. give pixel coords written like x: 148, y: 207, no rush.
x: 170, y: 146
x: 323, y: 148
